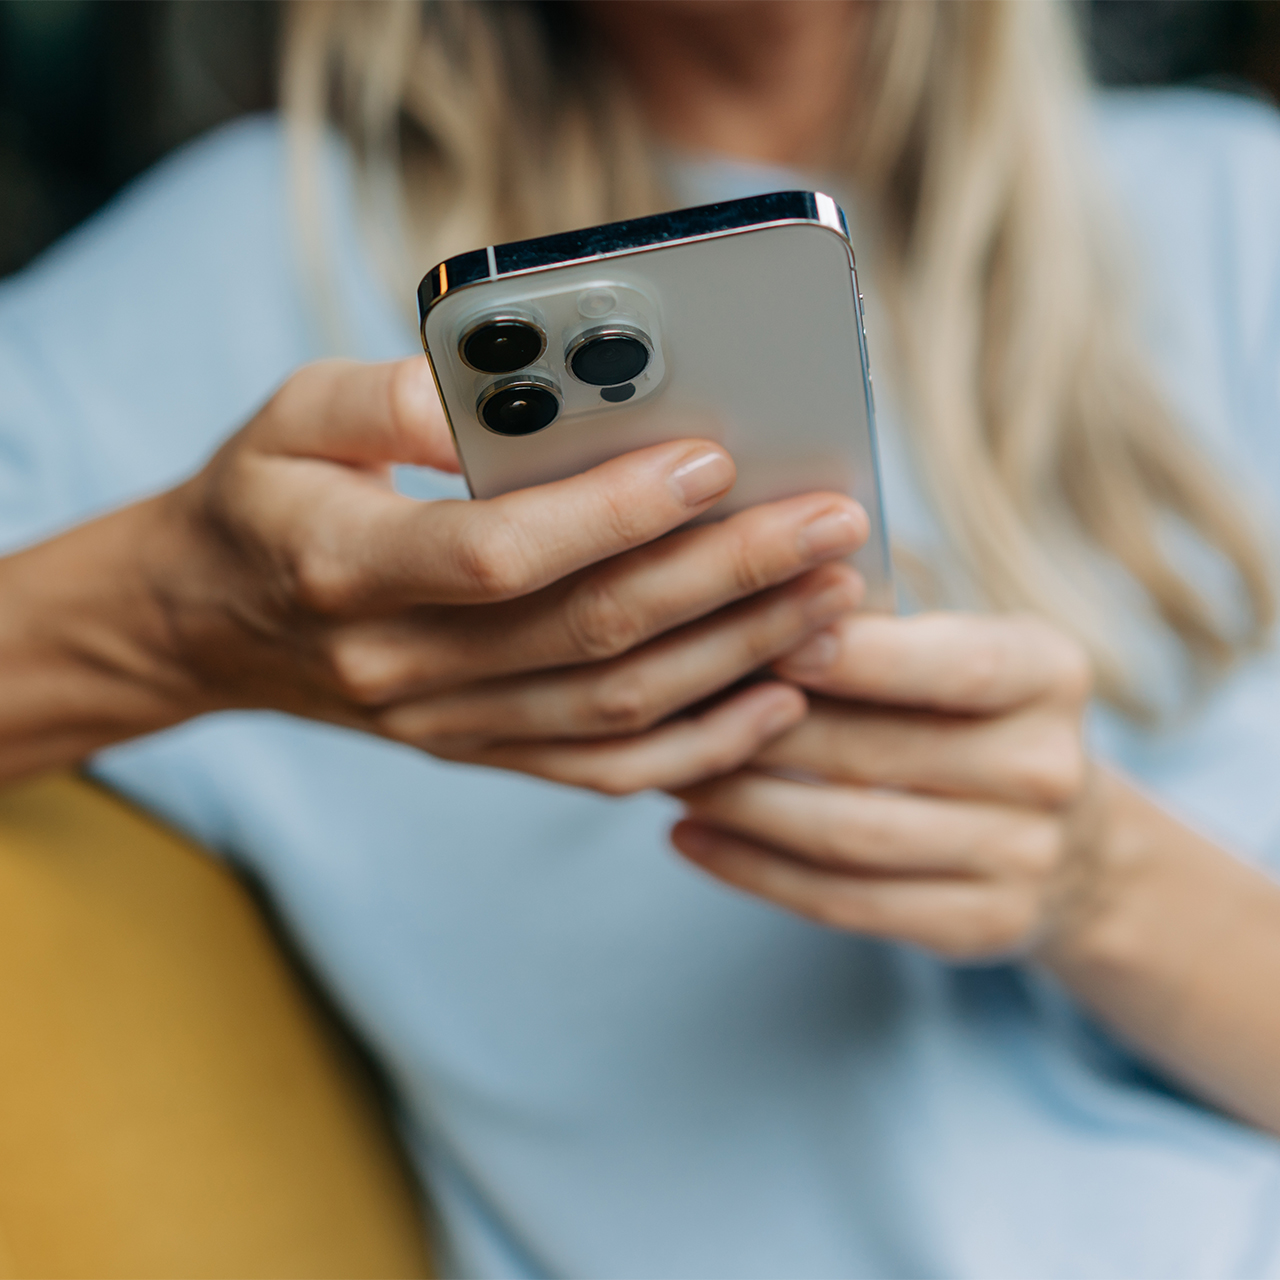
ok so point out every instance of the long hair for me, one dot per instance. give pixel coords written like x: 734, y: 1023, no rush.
x: 1057, y: 470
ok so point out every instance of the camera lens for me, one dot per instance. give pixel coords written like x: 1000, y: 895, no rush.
x: 519, y: 408
x: 502, y: 345
x: 606, y: 357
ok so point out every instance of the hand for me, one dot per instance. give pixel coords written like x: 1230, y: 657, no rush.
x: 950, y: 802
x: 553, y: 630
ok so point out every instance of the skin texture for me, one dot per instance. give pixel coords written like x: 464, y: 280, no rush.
x: 519, y: 631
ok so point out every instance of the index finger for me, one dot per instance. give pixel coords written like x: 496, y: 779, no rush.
x: 482, y: 551
x: 944, y: 661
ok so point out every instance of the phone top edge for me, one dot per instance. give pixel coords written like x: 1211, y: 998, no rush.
x: 659, y: 230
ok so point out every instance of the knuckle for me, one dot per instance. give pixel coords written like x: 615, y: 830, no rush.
x: 491, y: 558
x: 600, y: 624
x: 363, y: 672
x: 1051, y: 769
x: 624, y: 518
x: 749, y: 563
x: 322, y: 579
x: 622, y: 702
x: 778, y: 626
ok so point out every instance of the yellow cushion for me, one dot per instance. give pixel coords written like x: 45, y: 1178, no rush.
x: 172, y: 1100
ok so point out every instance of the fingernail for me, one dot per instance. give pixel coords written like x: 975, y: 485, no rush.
x: 704, y: 476
x: 830, y: 534
x: 814, y: 656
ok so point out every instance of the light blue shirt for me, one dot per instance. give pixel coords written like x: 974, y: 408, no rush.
x: 607, y: 1064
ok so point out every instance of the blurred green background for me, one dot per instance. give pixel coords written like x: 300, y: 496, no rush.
x: 94, y: 91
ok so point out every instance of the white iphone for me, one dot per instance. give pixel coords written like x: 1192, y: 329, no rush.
x: 738, y: 322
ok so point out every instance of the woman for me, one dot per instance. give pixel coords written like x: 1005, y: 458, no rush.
x: 608, y: 1063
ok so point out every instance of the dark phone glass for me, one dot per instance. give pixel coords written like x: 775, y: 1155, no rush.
x: 519, y: 409
x: 502, y: 346
x: 607, y: 359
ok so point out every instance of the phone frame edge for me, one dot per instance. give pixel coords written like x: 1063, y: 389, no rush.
x: 624, y: 239
x: 638, y: 235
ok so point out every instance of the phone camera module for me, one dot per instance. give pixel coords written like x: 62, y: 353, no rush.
x: 502, y: 344
x: 519, y: 407
x: 606, y: 357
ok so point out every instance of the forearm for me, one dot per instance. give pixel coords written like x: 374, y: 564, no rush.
x: 1178, y: 951
x: 84, y: 654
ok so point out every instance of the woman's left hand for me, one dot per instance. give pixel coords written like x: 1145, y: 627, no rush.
x: 937, y: 793
x: 949, y: 802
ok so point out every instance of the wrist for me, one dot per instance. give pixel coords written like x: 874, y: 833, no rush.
x: 1178, y: 952
x: 1101, y: 915
x: 1144, y: 910
x: 86, y: 654
x: 181, y: 592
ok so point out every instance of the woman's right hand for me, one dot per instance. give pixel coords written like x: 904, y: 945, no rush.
x: 552, y: 630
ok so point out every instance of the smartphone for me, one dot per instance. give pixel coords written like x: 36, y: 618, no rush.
x: 738, y: 322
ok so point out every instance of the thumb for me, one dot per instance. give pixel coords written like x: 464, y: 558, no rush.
x: 359, y: 414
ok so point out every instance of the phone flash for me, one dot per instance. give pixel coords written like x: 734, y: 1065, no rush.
x: 595, y: 303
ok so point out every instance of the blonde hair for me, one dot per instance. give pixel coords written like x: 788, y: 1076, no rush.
x: 1050, y: 455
